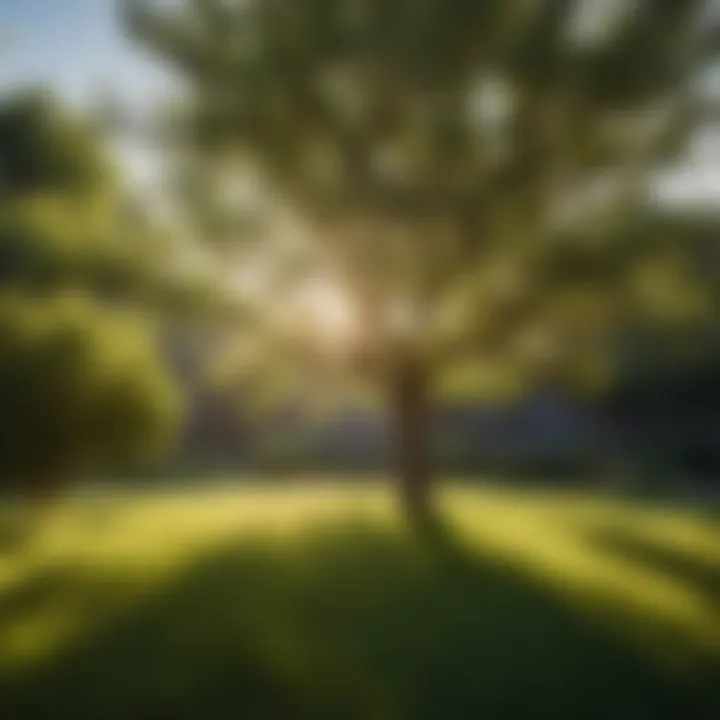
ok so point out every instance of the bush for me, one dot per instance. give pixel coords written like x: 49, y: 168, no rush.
x: 82, y: 385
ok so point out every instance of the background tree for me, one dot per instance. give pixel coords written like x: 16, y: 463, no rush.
x: 663, y: 407
x: 82, y: 377
x: 67, y: 218
x: 455, y: 174
x: 82, y: 387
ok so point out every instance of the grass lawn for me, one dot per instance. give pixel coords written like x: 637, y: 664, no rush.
x: 316, y: 601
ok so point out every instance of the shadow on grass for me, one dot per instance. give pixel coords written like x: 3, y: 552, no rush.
x: 702, y: 575
x: 353, y: 622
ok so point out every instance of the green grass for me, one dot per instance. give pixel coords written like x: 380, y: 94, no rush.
x: 318, y: 602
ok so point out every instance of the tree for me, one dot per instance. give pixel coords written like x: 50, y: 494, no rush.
x: 457, y: 173
x: 82, y: 378
x: 82, y: 386
x: 663, y: 408
x: 68, y: 219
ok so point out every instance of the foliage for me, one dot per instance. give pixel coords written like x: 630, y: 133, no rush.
x: 458, y: 171
x: 82, y: 380
x: 665, y: 407
x: 425, y: 196
x: 67, y: 220
x: 82, y: 385
x: 46, y: 150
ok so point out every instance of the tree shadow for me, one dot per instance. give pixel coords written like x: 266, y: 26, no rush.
x: 698, y: 573
x: 352, y: 621
x: 15, y: 530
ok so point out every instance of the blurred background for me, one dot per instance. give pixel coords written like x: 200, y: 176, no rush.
x: 441, y: 277
x: 568, y: 289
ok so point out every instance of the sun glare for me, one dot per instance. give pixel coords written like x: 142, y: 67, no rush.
x: 329, y: 310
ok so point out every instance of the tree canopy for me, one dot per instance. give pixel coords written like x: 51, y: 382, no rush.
x: 82, y: 376
x: 82, y: 387
x: 465, y: 180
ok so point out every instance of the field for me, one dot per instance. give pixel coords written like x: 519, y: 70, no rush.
x: 317, y: 601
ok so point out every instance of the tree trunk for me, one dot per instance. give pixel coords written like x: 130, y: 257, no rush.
x: 409, y: 401
x: 45, y: 486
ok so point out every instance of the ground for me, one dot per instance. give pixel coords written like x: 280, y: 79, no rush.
x: 316, y: 600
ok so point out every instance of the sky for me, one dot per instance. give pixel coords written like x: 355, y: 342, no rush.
x: 76, y: 46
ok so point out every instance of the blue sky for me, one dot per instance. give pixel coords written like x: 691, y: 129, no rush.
x: 74, y: 45
x: 77, y: 48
